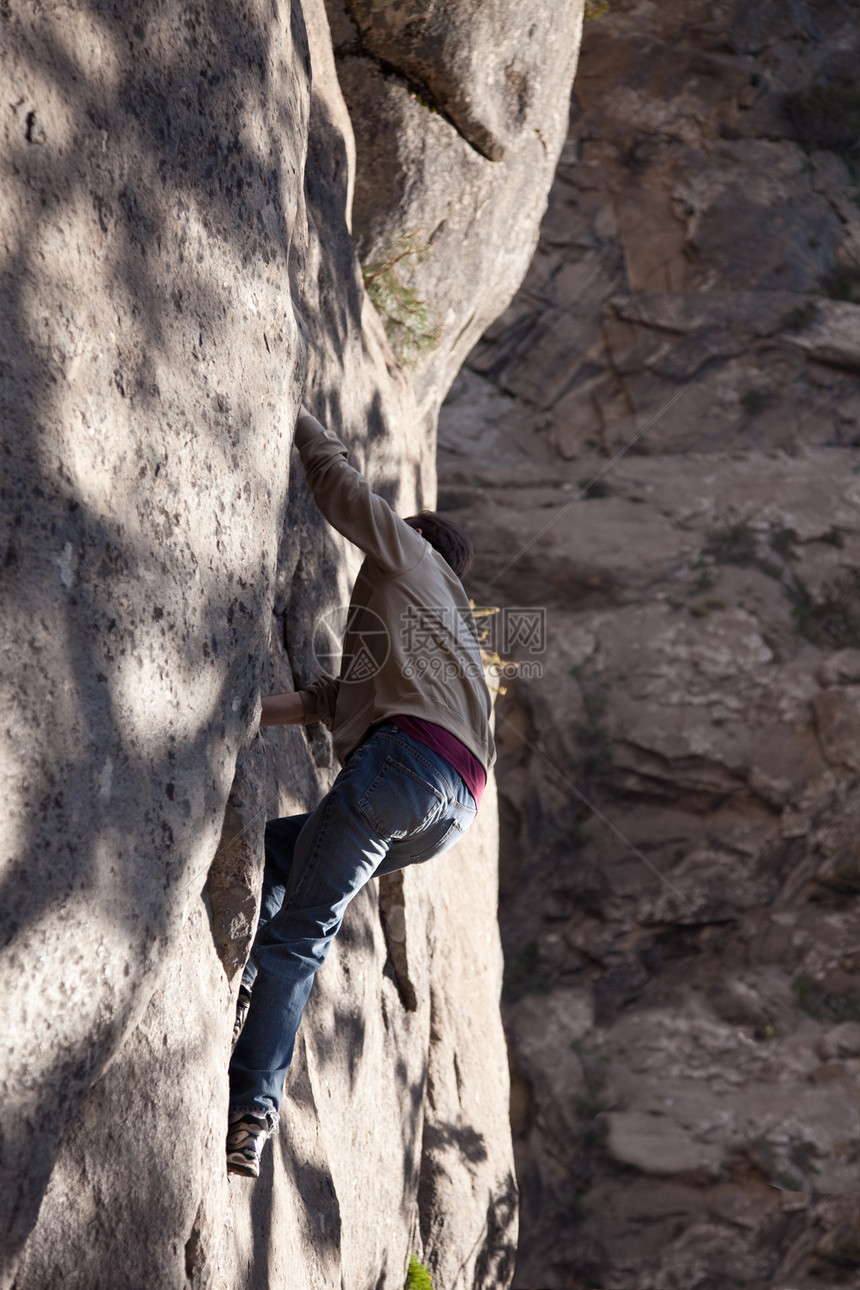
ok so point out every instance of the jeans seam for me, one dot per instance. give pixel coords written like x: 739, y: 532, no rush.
x: 302, y: 882
x: 366, y: 808
x: 412, y: 748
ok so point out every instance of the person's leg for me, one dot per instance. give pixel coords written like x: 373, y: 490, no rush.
x: 288, y: 949
x: 441, y: 834
x: 391, y: 795
x: 335, y: 854
x: 280, y: 841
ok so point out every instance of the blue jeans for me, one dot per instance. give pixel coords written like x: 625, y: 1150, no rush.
x: 395, y: 803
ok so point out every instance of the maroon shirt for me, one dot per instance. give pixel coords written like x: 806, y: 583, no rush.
x: 455, y: 753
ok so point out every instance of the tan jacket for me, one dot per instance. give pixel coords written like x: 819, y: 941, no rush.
x: 410, y: 645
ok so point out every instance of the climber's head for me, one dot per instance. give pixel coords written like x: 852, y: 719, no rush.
x: 446, y: 537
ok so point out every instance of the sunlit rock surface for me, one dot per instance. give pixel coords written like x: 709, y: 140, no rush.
x: 177, y: 267
x: 658, y: 444
x: 459, y: 112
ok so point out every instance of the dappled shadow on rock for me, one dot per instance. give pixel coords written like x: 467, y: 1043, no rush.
x: 134, y: 196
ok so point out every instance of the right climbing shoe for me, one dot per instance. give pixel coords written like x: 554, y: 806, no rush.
x: 246, y: 1137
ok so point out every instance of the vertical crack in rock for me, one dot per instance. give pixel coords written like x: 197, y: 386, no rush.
x: 194, y: 1254
x: 234, y: 875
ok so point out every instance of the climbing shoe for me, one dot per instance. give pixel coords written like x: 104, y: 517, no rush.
x: 246, y: 1137
x: 243, y: 1003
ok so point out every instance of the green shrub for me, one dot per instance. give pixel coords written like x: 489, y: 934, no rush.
x: 594, y: 488
x: 812, y: 999
x: 525, y: 975
x: 801, y: 317
x: 840, y: 1263
x: 838, y: 888
x: 827, y: 115
x: 842, y: 283
x: 831, y: 620
x: 732, y: 544
x: 409, y: 322
x: 417, y: 1278
x: 783, y: 542
x: 754, y: 402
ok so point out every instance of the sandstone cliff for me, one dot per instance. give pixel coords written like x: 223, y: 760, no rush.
x: 177, y: 193
x: 658, y: 443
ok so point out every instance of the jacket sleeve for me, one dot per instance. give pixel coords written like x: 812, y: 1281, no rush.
x: 350, y: 505
x: 319, y: 700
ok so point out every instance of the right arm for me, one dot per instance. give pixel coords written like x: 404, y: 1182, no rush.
x: 316, y: 702
x: 349, y: 503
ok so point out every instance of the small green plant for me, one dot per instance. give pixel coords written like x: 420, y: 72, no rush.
x: 595, y: 9
x: 573, y: 835
x: 802, y: 317
x: 702, y: 608
x: 812, y: 999
x: 754, y: 401
x: 591, y: 1107
x: 734, y: 543
x: 707, y: 575
x: 843, y: 283
x: 759, y: 1151
x: 832, y: 619
x: 417, y: 1277
x: 840, y: 1263
x: 838, y: 888
x: 782, y: 542
x: 410, y: 323
x: 573, y: 1208
x: 807, y: 995
x: 827, y: 115
x: 593, y: 488
x: 803, y: 1155
x: 525, y: 974
x: 593, y: 733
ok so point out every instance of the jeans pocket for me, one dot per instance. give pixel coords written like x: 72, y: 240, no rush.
x: 399, y: 801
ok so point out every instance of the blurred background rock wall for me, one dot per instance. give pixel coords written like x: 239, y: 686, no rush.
x: 657, y: 443
x: 183, y: 188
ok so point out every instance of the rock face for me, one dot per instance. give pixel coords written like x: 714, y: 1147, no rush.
x: 657, y: 444
x: 175, y: 203
x: 459, y: 114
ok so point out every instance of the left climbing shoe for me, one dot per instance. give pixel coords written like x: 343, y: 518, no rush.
x: 246, y: 1137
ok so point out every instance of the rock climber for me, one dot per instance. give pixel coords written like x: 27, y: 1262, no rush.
x: 410, y: 718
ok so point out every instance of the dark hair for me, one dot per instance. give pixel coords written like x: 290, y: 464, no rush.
x: 446, y: 537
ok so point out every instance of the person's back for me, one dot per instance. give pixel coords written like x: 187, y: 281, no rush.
x: 411, y: 645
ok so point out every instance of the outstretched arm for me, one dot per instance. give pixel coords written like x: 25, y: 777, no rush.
x: 283, y: 710
x: 349, y: 503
